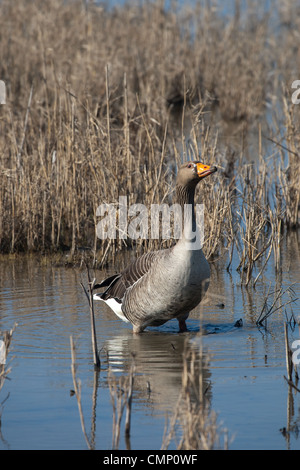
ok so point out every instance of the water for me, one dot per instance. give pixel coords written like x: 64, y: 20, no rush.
x: 245, y: 367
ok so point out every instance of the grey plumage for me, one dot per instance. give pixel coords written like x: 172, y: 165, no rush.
x: 164, y: 284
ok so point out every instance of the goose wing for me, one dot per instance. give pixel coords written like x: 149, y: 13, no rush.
x: 117, y: 284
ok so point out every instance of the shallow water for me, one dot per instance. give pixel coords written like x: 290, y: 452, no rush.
x: 245, y: 367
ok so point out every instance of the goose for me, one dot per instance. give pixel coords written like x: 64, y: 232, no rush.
x: 164, y: 284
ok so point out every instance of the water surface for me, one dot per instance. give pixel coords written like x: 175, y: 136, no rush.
x: 245, y: 366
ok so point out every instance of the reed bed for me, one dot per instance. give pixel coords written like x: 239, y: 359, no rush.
x: 103, y: 103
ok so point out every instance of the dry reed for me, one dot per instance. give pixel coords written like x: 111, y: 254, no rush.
x: 277, y: 303
x: 198, y: 427
x: 121, y: 391
x: 77, y: 391
x: 89, y: 296
x: 107, y: 102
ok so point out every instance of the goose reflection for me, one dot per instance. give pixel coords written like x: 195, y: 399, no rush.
x: 159, y: 359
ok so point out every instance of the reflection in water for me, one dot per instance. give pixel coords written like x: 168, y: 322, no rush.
x: 293, y: 419
x: 159, y: 359
x: 245, y: 369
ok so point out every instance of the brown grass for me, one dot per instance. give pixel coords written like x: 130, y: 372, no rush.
x: 103, y: 103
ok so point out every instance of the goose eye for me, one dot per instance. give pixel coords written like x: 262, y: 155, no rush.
x: 189, y: 165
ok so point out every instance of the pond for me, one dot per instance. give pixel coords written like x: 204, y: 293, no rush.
x: 245, y: 365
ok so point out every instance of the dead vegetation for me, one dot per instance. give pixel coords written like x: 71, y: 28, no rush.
x: 278, y: 302
x: 121, y: 392
x: 103, y: 103
x: 194, y: 426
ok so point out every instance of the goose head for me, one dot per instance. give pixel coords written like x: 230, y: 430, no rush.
x: 190, y: 173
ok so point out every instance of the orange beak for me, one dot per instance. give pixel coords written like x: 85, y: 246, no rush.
x: 205, y: 170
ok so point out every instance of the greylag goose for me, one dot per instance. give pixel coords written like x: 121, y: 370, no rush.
x: 164, y: 284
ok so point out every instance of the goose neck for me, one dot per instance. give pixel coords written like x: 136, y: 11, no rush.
x: 185, y: 198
